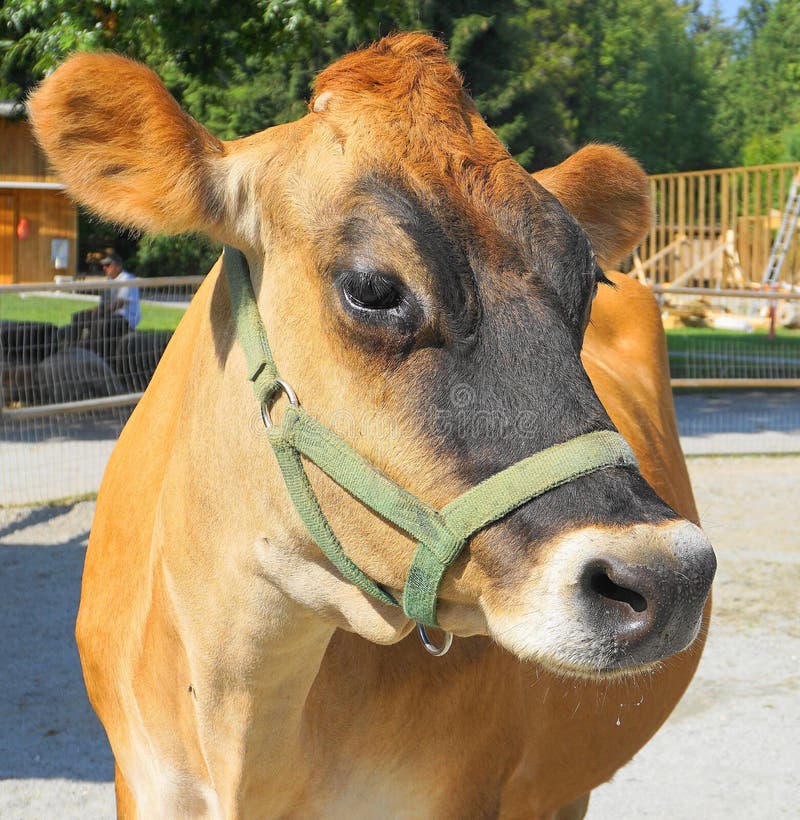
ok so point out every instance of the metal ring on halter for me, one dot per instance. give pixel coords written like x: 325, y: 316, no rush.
x: 290, y: 395
x: 438, y: 651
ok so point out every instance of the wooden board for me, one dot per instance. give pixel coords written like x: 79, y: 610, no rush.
x: 20, y: 157
x: 703, y: 205
x: 7, y: 237
x: 51, y: 215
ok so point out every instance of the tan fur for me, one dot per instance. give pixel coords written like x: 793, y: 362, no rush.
x: 235, y: 673
x: 103, y: 140
x: 601, y: 186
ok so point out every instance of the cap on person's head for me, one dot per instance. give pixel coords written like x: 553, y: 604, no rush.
x: 112, y: 258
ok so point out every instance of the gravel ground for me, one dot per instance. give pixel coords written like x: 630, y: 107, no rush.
x: 729, y: 751
x: 54, y: 759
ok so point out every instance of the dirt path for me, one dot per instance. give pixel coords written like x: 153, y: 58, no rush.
x: 729, y: 750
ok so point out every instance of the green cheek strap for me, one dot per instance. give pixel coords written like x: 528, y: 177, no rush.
x: 440, y: 534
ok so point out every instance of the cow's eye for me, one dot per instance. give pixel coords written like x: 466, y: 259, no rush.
x: 370, y: 290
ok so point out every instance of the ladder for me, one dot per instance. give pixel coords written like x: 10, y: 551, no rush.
x: 783, y: 240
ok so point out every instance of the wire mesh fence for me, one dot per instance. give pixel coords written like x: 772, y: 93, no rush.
x: 732, y: 338
x: 70, y: 376
x: 74, y: 359
x: 56, y: 457
x: 726, y: 359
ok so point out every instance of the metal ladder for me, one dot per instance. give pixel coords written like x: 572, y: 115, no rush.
x: 783, y: 240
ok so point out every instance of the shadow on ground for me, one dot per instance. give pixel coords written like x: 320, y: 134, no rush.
x: 738, y: 411
x: 47, y: 727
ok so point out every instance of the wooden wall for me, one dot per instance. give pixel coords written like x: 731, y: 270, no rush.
x: 20, y: 157
x: 50, y: 213
x: 7, y: 222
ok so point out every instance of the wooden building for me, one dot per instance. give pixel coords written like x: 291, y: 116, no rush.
x: 38, y: 222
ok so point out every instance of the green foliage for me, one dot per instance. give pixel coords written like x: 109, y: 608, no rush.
x: 645, y: 82
x: 184, y: 255
x: 762, y: 80
x: 763, y: 149
x: 678, y: 88
x: 519, y: 65
x: 96, y: 236
x: 548, y: 75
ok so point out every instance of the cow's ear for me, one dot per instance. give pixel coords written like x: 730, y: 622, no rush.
x: 607, y: 192
x: 126, y: 150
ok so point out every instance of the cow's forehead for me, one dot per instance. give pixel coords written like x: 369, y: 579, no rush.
x: 402, y: 116
x: 403, y: 98
x: 509, y: 211
x: 405, y: 73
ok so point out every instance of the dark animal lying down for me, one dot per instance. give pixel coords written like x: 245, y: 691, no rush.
x: 38, y: 367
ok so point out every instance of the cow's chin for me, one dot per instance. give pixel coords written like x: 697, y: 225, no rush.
x: 565, y: 671
x: 582, y: 663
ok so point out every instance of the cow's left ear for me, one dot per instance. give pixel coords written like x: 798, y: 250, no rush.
x: 124, y: 147
x: 607, y: 192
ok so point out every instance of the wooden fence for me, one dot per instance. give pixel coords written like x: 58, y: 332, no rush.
x: 716, y: 228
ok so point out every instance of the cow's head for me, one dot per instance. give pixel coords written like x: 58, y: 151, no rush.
x: 427, y: 299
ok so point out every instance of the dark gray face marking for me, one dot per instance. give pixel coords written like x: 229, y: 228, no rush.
x: 511, y: 284
x: 441, y: 246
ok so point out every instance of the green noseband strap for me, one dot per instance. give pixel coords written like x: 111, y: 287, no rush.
x: 440, y: 534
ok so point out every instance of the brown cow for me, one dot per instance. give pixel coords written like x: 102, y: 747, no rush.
x: 427, y: 299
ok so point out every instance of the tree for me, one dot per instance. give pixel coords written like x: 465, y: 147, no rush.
x: 518, y: 61
x: 176, y: 39
x: 677, y: 87
x: 254, y: 66
x: 251, y: 69
x: 645, y: 83
x: 766, y: 80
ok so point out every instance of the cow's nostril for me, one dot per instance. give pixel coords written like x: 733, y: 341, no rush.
x: 642, y: 599
x: 604, y: 586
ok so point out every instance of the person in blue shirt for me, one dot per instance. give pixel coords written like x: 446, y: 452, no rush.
x: 122, y: 301
x: 118, y: 313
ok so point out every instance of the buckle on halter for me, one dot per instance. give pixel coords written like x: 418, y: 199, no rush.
x: 290, y: 395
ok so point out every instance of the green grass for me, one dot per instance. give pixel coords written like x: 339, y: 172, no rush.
x: 160, y: 317
x: 782, y: 333
x: 705, y: 353
x: 58, y: 311
x: 758, y: 342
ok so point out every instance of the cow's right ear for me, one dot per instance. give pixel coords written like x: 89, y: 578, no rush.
x: 608, y: 193
x: 126, y: 150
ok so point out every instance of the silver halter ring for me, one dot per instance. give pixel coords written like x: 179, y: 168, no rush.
x: 437, y: 651
x: 290, y: 395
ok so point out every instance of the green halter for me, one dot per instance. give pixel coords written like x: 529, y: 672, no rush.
x: 441, y: 534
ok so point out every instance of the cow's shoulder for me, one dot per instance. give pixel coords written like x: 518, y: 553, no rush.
x: 118, y: 556
x: 626, y: 318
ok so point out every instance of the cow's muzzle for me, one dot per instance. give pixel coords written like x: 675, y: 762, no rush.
x: 611, y: 600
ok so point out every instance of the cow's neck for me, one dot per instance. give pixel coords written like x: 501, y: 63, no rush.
x: 251, y: 653
x: 250, y: 648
